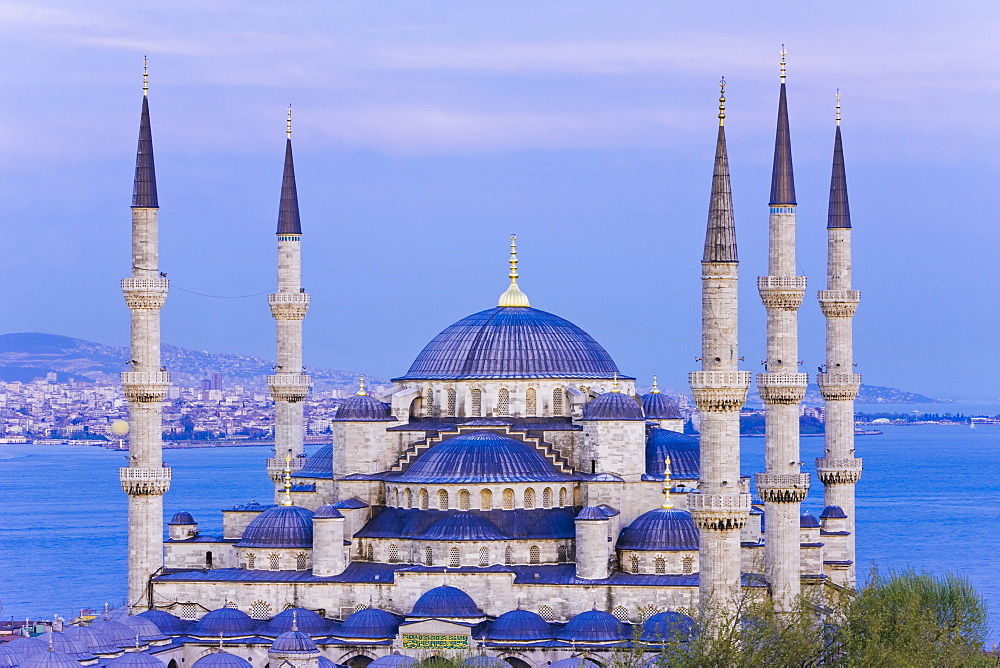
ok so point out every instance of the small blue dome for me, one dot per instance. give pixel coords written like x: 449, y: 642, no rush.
x: 147, y: 630
x: 10, y: 658
x: 369, y: 623
x: 484, y: 661
x: 480, y: 457
x: 394, y: 661
x: 280, y: 526
x: 592, y: 513
x: 225, y: 622
x: 463, y: 526
x: 658, y: 406
x: 613, y: 406
x: 362, y: 408
x: 327, y: 511
x: 573, y: 662
x: 135, y: 660
x: 305, y: 620
x: 94, y: 640
x: 445, y: 601
x: 833, y: 513
x: 684, y: 453
x: 50, y: 660
x: 593, y: 626
x: 808, y: 521
x: 27, y: 646
x: 519, y: 625
x: 182, y: 517
x: 221, y: 660
x: 293, y: 642
x: 512, y: 342
x: 318, y: 465
x: 169, y: 624
x: 666, y: 529
x: 326, y: 663
x: 120, y: 634
x: 69, y: 646
x: 668, y: 627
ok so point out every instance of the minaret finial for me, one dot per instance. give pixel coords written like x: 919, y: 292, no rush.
x: 667, y: 501
x: 145, y: 75
x: 361, y: 387
x: 656, y: 388
x: 838, y: 107
x: 288, y: 127
x: 287, y: 501
x: 614, y: 383
x: 722, y: 101
x: 513, y: 295
x: 783, y: 54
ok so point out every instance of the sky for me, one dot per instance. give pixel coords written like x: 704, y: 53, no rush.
x: 427, y: 132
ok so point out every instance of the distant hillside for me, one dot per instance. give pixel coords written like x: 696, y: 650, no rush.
x: 869, y: 394
x: 29, y: 355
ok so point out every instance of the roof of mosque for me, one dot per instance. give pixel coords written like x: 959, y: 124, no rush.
x: 613, y: 406
x: 369, y: 623
x: 660, y: 529
x: 253, y: 506
x: 27, y: 646
x: 593, y: 626
x: 224, y: 622
x: 551, y: 523
x: 463, y: 526
x: 667, y: 626
x: 293, y: 642
x: 808, y: 521
x: 182, y: 517
x: 573, y: 662
x: 318, y: 465
x: 327, y: 663
x: 445, y: 601
x: 520, y: 625
x: 592, y: 513
x: 221, y: 659
x: 147, y: 630
x: 833, y: 513
x: 304, y: 620
x: 50, y: 660
x: 70, y: 646
x: 512, y: 342
x: 350, y: 504
x: 135, y: 660
x: 10, y: 658
x: 362, y: 408
x: 480, y: 457
x: 658, y: 406
x: 683, y: 450
x: 280, y: 526
x: 326, y: 512
x: 167, y: 623
x: 122, y: 635
x: 393, y: 661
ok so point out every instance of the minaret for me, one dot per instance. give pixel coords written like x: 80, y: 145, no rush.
x: 782, y: 486
x: 719, y: 390
x: 289, y: 384
x: 146, y: 478
x: 839, y: 470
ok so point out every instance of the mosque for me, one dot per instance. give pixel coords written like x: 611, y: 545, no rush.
x: 511, y: 499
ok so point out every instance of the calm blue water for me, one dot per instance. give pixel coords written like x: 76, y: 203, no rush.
x: 929, y: 500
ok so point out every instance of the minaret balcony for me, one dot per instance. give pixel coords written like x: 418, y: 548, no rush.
x: 719, y: 391
x: 145, y: 294
x: 145, y: 386
x: 288, y: 305
x: 839, y: 386
x: 838, y: 471
x: 782, y: 388
x: 276, y: 467
x: 782, y: 487
x: 289, y: 387
x: 719, y: 512
x: 784, y: 293
x: 138, y: 481
x: 839, y: 303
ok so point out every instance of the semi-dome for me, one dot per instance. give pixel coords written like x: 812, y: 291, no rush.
x: 293, y: 642
x: 145, y: 628
x: 120, y: 634
x: 593, y: 626
x: 613, y: 406
x: 305, y: 620
x: 94, y: 640
x: 227, y: 622
x: 393, y: 661
x: 280, y: 526
x: 667, y: 627
x: 520, y: 626
x: 369, y: 623
x: 481, y: 457
x: 50, y: 660
x: 445, y: 601
x: 658, y: 406
x: 182, y: 517
x: 666, y: 529
x: 684, y: 453
x: 171, y: 625
x: 318, y: 465
x: 362, y: 408
x: 27, y: 646
x: 221, y: 659
x: 463, y: 526
x: 135, y: 660
x: 512, y: 342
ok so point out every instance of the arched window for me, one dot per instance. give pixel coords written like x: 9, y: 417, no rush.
x: 534, y: 555
x: 428, y: 556
x: 463, y: 500
x: 660, y: 565
x: 251, y: 560
x: 260, y: 610
x: 563, y: 497
x: 508, y: 556
x: 529, y: 499
x: 424, y: 498
x: 452, y: 401
x: 408, y: 498
x: 484, y: 556
x: 477, y: 403
x: 635, y: 564
x: 486, y: 500
x: 547, y: 497
x: 208, y: 559
x: 503, y: 402
x: 546, y: 613
x: 687, y: 565
x: 508, y: 499
x: 557, y: 401
x: 396, y: 496
x: 530, y: 402
x: 393, y: 554
x: 454, y: 559
x: 561, y: 553
x: 621, y: 613
x: 429, y: 403
x: 300, y: 561
x: 442, y: 500
x: 371, y: 552
x: 273, y: 561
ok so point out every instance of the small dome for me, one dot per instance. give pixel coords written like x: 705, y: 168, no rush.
x: 683, y: 450
x: 319, y: 464
x: 592, y: 513
x: 613, y: 406
x: 663, y: 529
x: 573, y: 662
x: 593, y: 626
x: 445, y: 601
x: 120, y: 634
x: 658, y: 406
x: 69, y: 646
x: 27, y: 646
x: 147, y: 630
x: 326, y: 663
x: 362, y: 408
x: 833, y: 513
x: 225, y: 622
x: 221, y: 660
x: 94, y: 640
x: 463, y: 526
x: 48, y: 659
x: 182, y: 517
x: 10, y: 658
x: 667, y: 627
x: 519, y: 625
x: 327, y: 511
x: 484, y: 661
x: 369, y: 623
x: 480, y: 457
x: 293, y: 642
x: 135, y: 660
x: 305, y: 620
x: 808, y: 521
x: 167, y: 623
x: 394, y: 661
x: 280, y: 526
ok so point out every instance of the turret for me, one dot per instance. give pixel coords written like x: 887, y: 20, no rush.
x: 360, y: 442
x: 329, y: 554
x: 593, y: 543
x: 614, y: 436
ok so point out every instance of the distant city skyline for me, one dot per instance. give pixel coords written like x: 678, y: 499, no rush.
x: 424, y: 137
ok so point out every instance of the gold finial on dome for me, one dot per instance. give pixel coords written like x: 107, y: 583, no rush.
x: 287, y: 501
x: 614, y: 383
x: 361, y: 387
x: 783, y: 54
x: 288, y: 126
x: 145, y: 75
x: 722, y: 102
x: 667, y: 501
x: 656, y: 388
x: 838, y: 107
x: 513, y: 295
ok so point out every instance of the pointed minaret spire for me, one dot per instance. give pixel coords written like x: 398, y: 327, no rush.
x: 782, y: 179
x: 288, y: 210
x: 840, y: 211
x: 513, y: 295
x: 720, y: 239
x: 144, y: 188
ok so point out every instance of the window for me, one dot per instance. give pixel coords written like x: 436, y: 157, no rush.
x: 503, y: 402
x: 452, y: 400
x: 529, y: 499
x: 208, y: 559
x: 534, y: 555
x: 463, y: 500
x: 393, y: 554
x: 430, y: 403
x: 561, y: 553
x: 687, y: 565
x: 189, y: 611
x: 530, y: 402
x: 508, y: 556
x: 484, y: 556
x: 486, y: 500
x: 508, y: 499
x: 454, y: 560
x: 424, y: 499
x: 621, y: 613
x: 230, y: 604
x: 442, y: 500
x: 260, y: 610
x: 635, y: 564
x: 371, y: 552
x: 546, y: 613
x: 251, y: 560
x: 660, y: 565
x: 547, y: 497
x: 428, y: 556
x: 477, y: 403
x: 557, y: 401
x: 273, y: 561
x: 396, y: 495
x: 563, y: 497
x: 300, y: 561
x: 647, y: 611
x: 408, y: 498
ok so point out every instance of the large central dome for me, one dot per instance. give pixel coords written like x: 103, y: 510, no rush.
x: 512, y: 342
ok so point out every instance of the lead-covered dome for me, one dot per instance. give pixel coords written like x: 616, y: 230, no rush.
x: 135, y: 660
x: 222, y: 659
x: 171, y: 625
x: 303, y: 619
x: 280, y: 526
x: 318, y: 465
x: 481, y: 457
x: 519, y: 625
x: 445, y: 601
x: 512, y: 342
x: 362, y: 408
x: 50, y: 660
x: 668, y: 626
x: 683, y: 450
x: 369, y: 623
x: 658, y: 406
x: 9, y: 658
x: 663, y: 529
x: 226, y: 622
x: 293, y: 642
x: 593, y: 626
x: 613, y: 406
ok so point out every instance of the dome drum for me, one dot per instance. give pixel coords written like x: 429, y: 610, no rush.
x: 275, y: 558
x: 652, y: 562
x: 484, y: 497
x: 464, y: 553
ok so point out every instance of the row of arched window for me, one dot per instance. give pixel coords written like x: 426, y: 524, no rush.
x: 660, y: 565
x: 274, y: 561
x: 455, y: 556
x: 404, y: 499
x: 450, y: 408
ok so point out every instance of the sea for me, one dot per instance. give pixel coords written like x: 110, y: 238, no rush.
x: 928, y: 501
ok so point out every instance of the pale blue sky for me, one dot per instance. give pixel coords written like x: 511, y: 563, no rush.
x: 426, y: 132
